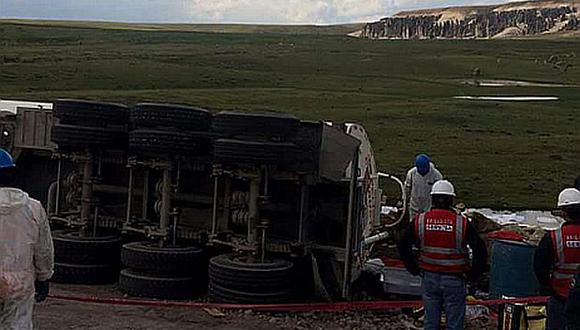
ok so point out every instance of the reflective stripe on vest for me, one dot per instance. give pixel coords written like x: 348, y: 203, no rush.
x: 562, y: 276
x: 441, y: 262
x: 443, y: 259
x: 430, y: 249
x: 459, y: 234
x: 564, y: 268
x: 422, y: 228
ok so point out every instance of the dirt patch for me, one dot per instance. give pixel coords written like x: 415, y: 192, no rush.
x: 510, y: 32
x: 57, y: 314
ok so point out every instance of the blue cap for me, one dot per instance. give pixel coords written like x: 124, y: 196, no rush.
x: 6, y: 160
x: 423, y: 164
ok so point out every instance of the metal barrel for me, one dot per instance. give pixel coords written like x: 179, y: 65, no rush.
x: 512, y: 270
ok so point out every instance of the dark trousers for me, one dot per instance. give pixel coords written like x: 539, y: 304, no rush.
x: 444, y: 292
x: 556, y: 317
x: 573, y: 309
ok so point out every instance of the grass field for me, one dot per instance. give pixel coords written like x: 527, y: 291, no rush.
x: 339, y: 29
x: 503, y: 155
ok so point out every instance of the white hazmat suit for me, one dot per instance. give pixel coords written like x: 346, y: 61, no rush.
x: 418, y: 189
x: 26, y: 255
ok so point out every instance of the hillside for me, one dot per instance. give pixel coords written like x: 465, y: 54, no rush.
x: 541, y: 18
x: 341, y: 29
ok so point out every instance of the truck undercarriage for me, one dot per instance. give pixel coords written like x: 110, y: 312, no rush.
x: 172, y: 201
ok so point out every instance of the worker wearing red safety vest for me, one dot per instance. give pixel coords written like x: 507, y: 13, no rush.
x: 558, y: 257
x: 443, y: 246
x: 442, y: 237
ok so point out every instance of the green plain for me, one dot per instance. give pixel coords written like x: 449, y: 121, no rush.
x: 498, y: 154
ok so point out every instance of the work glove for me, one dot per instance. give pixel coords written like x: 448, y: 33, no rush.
x: 41, y: 290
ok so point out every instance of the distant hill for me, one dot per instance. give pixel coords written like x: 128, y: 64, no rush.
x: 541, y: 18
x: 341, y: 29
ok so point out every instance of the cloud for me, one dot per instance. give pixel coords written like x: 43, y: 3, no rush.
x: 222, y: 11
x: 310, y: 11
x: 288, y: 11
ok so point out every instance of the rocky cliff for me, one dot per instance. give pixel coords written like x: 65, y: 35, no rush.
x: 542, y: 17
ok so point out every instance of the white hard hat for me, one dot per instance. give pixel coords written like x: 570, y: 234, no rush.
x: 568, y: 197
x: 443, y: 187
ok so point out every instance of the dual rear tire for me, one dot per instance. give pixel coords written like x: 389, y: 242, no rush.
x: 166, y: 129
x: 162, y: 272
x: 237, y: 280
x: 87, y: 124
x: 85, y: 260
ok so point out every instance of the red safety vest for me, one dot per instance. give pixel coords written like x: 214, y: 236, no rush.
x: 443, y: 248
x: 566, y: 244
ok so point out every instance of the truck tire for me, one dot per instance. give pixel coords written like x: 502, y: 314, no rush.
x: 70, y: 248
x: 232, y: 272
x: 151, y: 259
x: 72, y: 136
x: 90, y: 113
x: 268, y: 153
x: 233, y: 124
x: 247, y: 283
x: 221, y: 294
x: 140, y: 284
x: 152, y: 115
x: 85, y: 274
x: 168, y: 142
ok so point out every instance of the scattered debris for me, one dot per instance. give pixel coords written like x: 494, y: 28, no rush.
x: 531, y: 235
x: 482, y: 223
x: 391, y: 320
x: 527, y: 226
x: 476, y: 312
x: 541, y: 219
x: 214, y: 312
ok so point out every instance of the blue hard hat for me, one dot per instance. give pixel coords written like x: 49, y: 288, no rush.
x: 6, y: 160
x: 423, y: 164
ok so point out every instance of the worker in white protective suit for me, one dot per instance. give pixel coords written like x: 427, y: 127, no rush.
x: 26, y: 251
x: 420, y: 180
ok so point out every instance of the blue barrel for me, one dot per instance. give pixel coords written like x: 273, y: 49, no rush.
x: 512, y: 270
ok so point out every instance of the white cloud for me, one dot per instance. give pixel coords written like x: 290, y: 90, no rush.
x: 289, y: 11
x: 308, y: 11
x: 222, y: 11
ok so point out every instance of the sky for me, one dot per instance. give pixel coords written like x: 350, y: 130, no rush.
x: 221, y: 11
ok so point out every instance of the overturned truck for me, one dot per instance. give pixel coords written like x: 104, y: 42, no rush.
x: 173, y: 201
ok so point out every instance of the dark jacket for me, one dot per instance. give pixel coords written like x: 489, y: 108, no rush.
x: 544, y: 264
x: 409, y: 240
x: 572, y: 311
